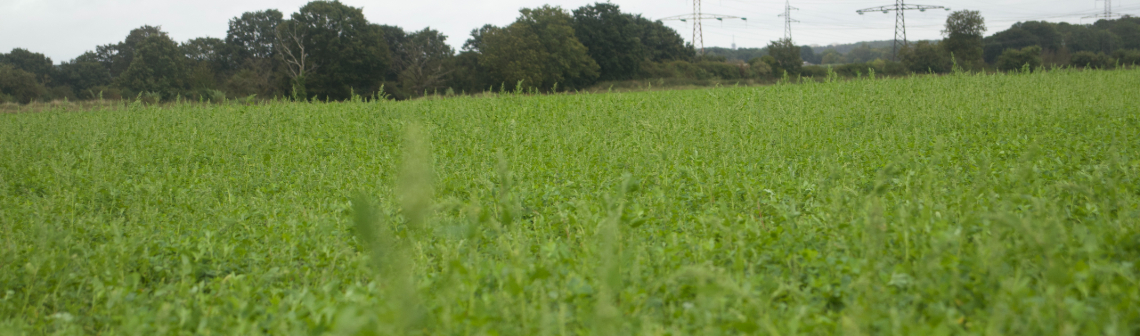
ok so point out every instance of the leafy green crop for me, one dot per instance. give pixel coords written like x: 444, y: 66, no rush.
x: 962, y: 204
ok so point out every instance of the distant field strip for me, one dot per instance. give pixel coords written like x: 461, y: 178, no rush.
x: 958, y: 204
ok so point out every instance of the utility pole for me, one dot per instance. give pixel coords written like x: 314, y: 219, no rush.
x: 698, y: 31
x: 788, y: 19
x: 900, y: 21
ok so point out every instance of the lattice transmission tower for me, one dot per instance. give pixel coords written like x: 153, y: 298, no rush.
x: 1107, y: 15
x: 788, y: 19
x: 900, y: 21
x: 698, y: 30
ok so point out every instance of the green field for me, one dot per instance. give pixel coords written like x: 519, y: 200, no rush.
x: 959, y: 204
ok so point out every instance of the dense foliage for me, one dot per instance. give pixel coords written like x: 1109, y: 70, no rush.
x: 964, y: 31
x: 961, y: 204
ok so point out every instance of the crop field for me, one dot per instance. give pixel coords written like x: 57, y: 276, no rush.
x: 926, y: 205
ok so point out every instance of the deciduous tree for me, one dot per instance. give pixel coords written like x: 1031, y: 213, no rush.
x: 254, y: 34
x: 612, y: 39
x: 663, y: 43
x: 786, y: 56
x: 426, y: 61
x: 18, y: 86
x: 963, y: 33
x: 35, y: 63
x: 334, y: 50
x: 118, y: 57
x: 539, y: 49
x: 157, y: 66
x: 84, y: 73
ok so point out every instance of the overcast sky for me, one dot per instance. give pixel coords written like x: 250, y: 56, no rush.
x: 64, y: 29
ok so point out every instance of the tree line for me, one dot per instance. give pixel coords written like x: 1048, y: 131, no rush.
x: 330, y: 51
x: 1104, y: 44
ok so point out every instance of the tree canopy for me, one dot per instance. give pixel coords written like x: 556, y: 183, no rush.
x: 253, y: 34
x: 786, y: 56
x: 349, y: 54
x: 36, y: 64
x: 963, y: 33
x: 612, y: 39
x: 539, y: 49
x: 157, y: 66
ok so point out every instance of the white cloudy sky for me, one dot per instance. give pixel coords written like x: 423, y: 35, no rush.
x: 63, y: 29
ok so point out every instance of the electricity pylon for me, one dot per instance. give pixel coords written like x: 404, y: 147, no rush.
x: 900, y: 20
x: 697, y: 16
x: 788, y: 19
x: 1107, y: 15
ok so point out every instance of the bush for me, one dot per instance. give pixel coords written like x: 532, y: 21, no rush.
x: 1089, y: 59
x: 1014, y: 59
x: 149, y: 97
x: 61, y: 92
x: 853, y: 69
x: 705, y: 70
x: 814, y: 71
x: 674, y: 69
x: 758, y: 68
x: 925, y: 57
x: 211, y: 95
x: 720, y: 70
x: 688, y: 70
x: 102, y: 92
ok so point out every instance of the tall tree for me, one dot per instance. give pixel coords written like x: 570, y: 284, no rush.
x: 118, y: 57
x: 470, y: 75
x: 663, y: 43
x: 35, y: 63
x: 346, y: 52
x: 787, y: 57
x: 254, y: 34
x: 207, y: 58
x: 254, y: 60
x: 963, y: 33
x: 1128, y: 30
x: 425, y: 61
x: 397, y: 40
x: 475, y: 42
x: 18, y: 86
x: 85, y: 73
x: 612, y: 39
x: 539, y: 49
x: 157, y: 66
